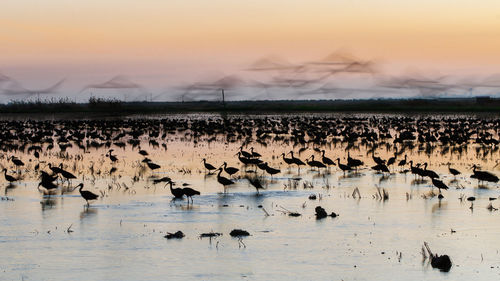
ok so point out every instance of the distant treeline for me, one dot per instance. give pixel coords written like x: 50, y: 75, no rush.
x: 114, y: 106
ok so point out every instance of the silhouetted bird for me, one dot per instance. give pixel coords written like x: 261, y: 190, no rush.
x: 230, y: 170
x: 47, y: 185
x: 439, y: 184
x: 176, y: 192
x: 255, y: 182
x: 271, y: 171
x: 296, y: 161
x: 55, y: 169
x: 381, y: 168
x: 483, y: 175
x: 111, y: 156
x: 208, y: 166
x: 189, y: 192
x: 391, y: 160
x: 327, y: 161
x: 377, y: 159
x: 153, y: 166
x: 416, y: 169
x: 222, y: 180
x: 402, y: 162
x: 343, y: 167
x: 289, y: 161
x: 8, y: 178
x: 87, y: 195
x: 314, y: 163
x: 429, y: 173
x: 45, y: 177
x: 263, y: 166
x: 67, y: 175
x: 254, y: 154
x: 454, y: 172
x: 16, y: 161
x: 244, y: 153
x: 353, y: 163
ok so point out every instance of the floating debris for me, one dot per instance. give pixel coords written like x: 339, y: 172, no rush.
x: 442, y: 263
x: 176, y: 235
x: 210, y: 235
x: 321, y: 213
x: 290, y: 213
x: 491, y: 208
x: 239, y: 233
x: 356, y: 193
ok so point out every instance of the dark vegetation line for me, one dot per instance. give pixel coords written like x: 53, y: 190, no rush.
x: 114, y: 106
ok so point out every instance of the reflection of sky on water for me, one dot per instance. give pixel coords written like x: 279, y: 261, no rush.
x: 120, y: 237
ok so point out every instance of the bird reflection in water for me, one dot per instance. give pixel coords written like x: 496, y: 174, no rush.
x: 418, y: 181
x: 88, y: 212
x: 438, y: 206
x: 48, y: 203
x: 9, y: 187
x: 352, y: 175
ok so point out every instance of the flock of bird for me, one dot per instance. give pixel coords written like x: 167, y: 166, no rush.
x: 381, y: 165
x: 71, y: 141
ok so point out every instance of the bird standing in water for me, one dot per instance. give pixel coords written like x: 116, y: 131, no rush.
x: 327, y: 161
x: 230, y: 170
x: 87, y: 195
x: 189, y: 192
x: 222, y: 180
x: 454, y: 172
x: 176, y: 192
x: 208, y: 166
x: 8, y: 178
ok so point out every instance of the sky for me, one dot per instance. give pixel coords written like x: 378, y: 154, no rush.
x: 164, y: 45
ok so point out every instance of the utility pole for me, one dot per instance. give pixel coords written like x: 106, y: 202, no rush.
x: 223, y: 100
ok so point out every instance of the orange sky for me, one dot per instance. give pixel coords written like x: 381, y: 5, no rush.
x: 82, y: 30
x: 440, y: 33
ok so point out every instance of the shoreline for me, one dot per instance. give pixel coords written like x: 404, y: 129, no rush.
x: 437, y: 105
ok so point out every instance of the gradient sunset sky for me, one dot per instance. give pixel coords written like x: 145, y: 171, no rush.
x: 163, y: 42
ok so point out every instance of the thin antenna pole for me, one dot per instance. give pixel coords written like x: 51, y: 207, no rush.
x: 223, y: 99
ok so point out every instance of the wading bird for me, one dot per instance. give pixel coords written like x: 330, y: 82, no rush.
x: 439, y: 184
x: 208, y: 167
x: 189, y: 192
x: 8, y: 178
x: 111, y: 156
x: 343, y: 167
x: 454, y: 172
x: 483, y: 175
x: 87, y: 195
x: 229, y: 170
x: 176, y: 192
x: 153, y: 166
x: 222, y: 180
x: 327, y: 161
x: 254, y: 154
x: 353, y: 163
x: 313, y: 163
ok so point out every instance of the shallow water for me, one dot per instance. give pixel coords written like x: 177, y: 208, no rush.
x: 120, y: 236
